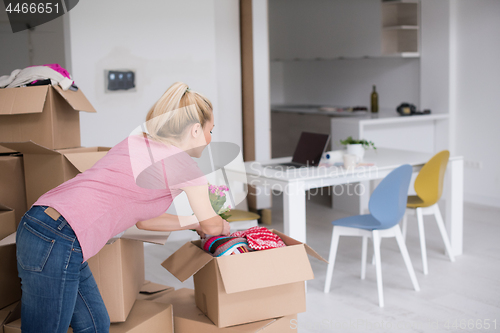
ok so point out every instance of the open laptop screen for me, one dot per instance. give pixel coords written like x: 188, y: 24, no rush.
x: 310, y: 148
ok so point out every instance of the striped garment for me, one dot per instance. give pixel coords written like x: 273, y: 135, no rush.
x: 223, y: 246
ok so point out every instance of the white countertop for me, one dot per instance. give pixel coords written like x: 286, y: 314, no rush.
x: 384, y: 116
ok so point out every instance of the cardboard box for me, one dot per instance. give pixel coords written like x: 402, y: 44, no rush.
x: 10, y: 284
x: 118, y: 270
x: 147, y: 316
x: 45, y: 169
x: 188, y: 318
x: 150, y: 291
x: 12, y: 319
x: 247, y: 287
x: 12, y: 188
x: 7, y: 313
x: 46, y: 115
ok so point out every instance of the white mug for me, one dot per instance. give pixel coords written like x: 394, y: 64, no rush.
x: 350, y: 161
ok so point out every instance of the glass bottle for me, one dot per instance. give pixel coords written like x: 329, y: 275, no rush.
x: 374, y: 100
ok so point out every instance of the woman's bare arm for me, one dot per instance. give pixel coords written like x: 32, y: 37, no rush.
x: 169, y: 222
x: 210, y: 222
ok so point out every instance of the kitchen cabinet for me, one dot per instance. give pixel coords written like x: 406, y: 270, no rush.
x: 400, y: 28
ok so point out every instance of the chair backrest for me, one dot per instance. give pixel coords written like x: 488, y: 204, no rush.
x: 429, y: 182
x: 388, y: 201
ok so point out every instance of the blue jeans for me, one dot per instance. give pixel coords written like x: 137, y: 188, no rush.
x: 57, y: 288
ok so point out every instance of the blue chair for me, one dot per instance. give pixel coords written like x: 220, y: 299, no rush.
x: 387, y: 206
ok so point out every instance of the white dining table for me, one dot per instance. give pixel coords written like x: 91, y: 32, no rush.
x: 294, y: 183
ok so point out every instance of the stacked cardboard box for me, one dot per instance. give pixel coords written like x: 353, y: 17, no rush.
x: 188, y: 318
x: 10, y: 286
x: 146, y: 316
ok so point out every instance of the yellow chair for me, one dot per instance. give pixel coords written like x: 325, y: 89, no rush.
x: 429, y: 187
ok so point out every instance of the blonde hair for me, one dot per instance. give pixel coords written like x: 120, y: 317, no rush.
x: 176, y: 109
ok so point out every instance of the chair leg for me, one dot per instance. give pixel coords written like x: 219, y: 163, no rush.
x: 331, y: 259
x: 421, y: 232
x: 376, y: 250
x: 363, y: 257
x: 373, y: 256
x: 444, y: 234
x: 406, y: 257
x: 404, y: 225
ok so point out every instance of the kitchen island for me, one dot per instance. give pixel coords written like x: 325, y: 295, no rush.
x: 423, y: 133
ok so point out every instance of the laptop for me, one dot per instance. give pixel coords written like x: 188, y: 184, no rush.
x: 308, y: 152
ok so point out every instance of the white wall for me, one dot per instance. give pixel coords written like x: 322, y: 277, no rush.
x: 193, y: 41
x: 349, y: 82
x: 329, y: 29
x: 477, y: 72
x: 43, y: 45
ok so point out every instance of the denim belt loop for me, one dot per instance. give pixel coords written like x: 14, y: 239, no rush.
x: 63, y: 223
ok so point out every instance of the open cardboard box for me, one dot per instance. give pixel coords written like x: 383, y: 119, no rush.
x: 246, y: 287
x: 10, y: 285
x: 118, y: 269
x: 45, y: 168
x: 46, y: 115
x: 12, y: 188
x: 188, y: 318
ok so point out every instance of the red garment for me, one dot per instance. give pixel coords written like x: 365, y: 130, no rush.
x: 260, y: 238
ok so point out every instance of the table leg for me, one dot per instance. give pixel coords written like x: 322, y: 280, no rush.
x: 455, y: 206
x: 294, y: 211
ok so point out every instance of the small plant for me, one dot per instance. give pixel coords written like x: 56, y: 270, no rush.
x: 350, y: 141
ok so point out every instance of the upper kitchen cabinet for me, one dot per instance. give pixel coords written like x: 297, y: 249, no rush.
x: 400, y: 28
x: 332, y: 29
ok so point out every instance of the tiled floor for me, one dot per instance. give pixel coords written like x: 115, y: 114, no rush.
x: 465, y: 293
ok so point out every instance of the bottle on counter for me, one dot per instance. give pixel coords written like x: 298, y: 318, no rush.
x: 374, y: 100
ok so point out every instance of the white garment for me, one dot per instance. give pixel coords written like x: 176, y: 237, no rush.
x: 21, y: 77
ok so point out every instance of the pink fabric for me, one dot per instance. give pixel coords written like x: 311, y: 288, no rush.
x: 58, y: 69
x: 136, y: 180
x: 260, y: 238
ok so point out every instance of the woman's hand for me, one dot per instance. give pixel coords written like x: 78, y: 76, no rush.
x: 200, y: 232
x: 226, y: 228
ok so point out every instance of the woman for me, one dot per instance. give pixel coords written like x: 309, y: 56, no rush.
x: 134, y: 183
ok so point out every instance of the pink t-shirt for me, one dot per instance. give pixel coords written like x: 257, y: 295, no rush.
x: 135, y: 181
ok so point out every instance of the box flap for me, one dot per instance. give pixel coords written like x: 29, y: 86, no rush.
x: 10, y: 239
x: 84, y: 160
x: 315, y: 254
x: 5, y: 208
x: 154, y: 237
x: 186, y: 261
x: 76, y: 99
x: 150, y: 288
x: 29, y: 147
x: 290, y: 241
x: 22, y: 100
x: 267, y: 268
